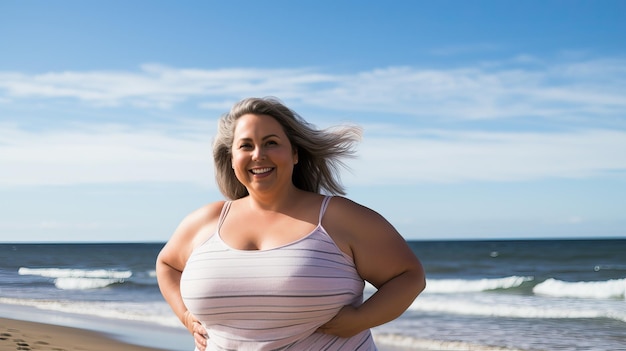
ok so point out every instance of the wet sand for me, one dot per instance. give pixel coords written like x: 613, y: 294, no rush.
x: 22, y: 335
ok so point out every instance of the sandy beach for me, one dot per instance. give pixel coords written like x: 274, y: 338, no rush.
x: 27, y: 328
x: 24, y: 328
x: 17, y: 335
x: 23, y: 335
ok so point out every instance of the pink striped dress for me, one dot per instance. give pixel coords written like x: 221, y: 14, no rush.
x: 273, y: 299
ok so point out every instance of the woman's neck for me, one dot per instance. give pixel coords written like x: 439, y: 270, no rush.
x: 275, y: 202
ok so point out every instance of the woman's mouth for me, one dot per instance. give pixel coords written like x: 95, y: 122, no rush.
x: 258, y: 171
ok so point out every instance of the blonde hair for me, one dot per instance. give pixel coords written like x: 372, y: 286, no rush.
x: 319, y: 151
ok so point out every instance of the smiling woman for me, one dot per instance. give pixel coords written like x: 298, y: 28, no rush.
x: 318, y: 152
x: 262, y: 154
x: 280, y: 265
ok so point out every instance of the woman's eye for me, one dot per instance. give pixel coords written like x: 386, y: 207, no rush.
x: 245, y: 146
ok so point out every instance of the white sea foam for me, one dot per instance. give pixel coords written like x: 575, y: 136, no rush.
x: 84, y: 283
x: 614, y: 288
x: 519, y: 307
x: 446, y: 286
x: 452, y: 286
x: 498, y: 310
x: 75, y: 273
x: 151, y: 312
x: 428, y: 344
x: 79, y: 279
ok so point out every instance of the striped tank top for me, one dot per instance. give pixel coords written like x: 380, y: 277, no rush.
x: 273, y: 299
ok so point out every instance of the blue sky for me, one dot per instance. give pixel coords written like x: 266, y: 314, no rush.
x: 482, y: 119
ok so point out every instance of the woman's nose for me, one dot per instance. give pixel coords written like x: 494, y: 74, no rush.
x: 258, y: 153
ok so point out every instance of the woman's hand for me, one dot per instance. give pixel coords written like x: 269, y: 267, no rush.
x: 345, y: 324
x: 196, y: 329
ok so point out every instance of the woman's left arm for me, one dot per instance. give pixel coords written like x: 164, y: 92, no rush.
x: 382, y: 257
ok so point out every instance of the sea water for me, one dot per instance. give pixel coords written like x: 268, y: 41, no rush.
x: 480, y: 295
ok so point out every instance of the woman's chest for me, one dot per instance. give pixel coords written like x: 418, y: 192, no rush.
x: 219, y: 278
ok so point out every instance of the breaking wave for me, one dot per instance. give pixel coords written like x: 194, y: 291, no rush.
x: 614, y: 288
x: 79, y: 279
x: 444, y: 286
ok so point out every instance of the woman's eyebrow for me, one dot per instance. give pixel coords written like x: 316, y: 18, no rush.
x: 265, y: 137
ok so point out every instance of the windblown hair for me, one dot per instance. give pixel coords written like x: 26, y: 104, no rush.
x: 319, y: 151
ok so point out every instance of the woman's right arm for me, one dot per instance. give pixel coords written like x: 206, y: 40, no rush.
x: 191, y: 232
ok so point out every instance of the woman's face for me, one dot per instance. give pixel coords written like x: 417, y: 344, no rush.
x: 262, y: 155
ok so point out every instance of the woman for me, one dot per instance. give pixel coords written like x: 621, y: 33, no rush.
x: 280, y: 266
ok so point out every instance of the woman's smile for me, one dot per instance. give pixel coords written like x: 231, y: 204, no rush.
x: 261, y: 171
x: 262, y: 155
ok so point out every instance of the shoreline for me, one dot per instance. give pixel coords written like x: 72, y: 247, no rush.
x: 42, y: 328
x: 30, y: 328
x: 25, y: 335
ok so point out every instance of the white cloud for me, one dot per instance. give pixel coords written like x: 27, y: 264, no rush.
x: 154, y: 85
x: 444, y: 156
x: 582, y: 92
x: 512, y: 88
x: 110, y: 154
x: 105, y: 154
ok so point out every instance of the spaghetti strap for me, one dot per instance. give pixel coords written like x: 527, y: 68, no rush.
x: 223, y: 214
x: 324, y: 205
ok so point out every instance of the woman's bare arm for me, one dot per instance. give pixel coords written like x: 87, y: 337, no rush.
x: 382, y: 257
x: 171, y: 261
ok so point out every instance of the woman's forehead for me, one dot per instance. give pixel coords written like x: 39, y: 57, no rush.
x: 255, y: 125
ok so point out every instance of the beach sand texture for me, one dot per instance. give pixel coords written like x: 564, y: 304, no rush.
x: 18, y: 335
x: 21, y: 335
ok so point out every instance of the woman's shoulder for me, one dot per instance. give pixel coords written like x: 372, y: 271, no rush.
x: 194, y: 228
x: 352, y: 217
x: 347, y: 207
x: 346, y: 215
x: 199, y: 224
x: 200, y: 218
x: 205, y: 214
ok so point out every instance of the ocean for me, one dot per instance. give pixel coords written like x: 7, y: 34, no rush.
x: 481, y: 295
